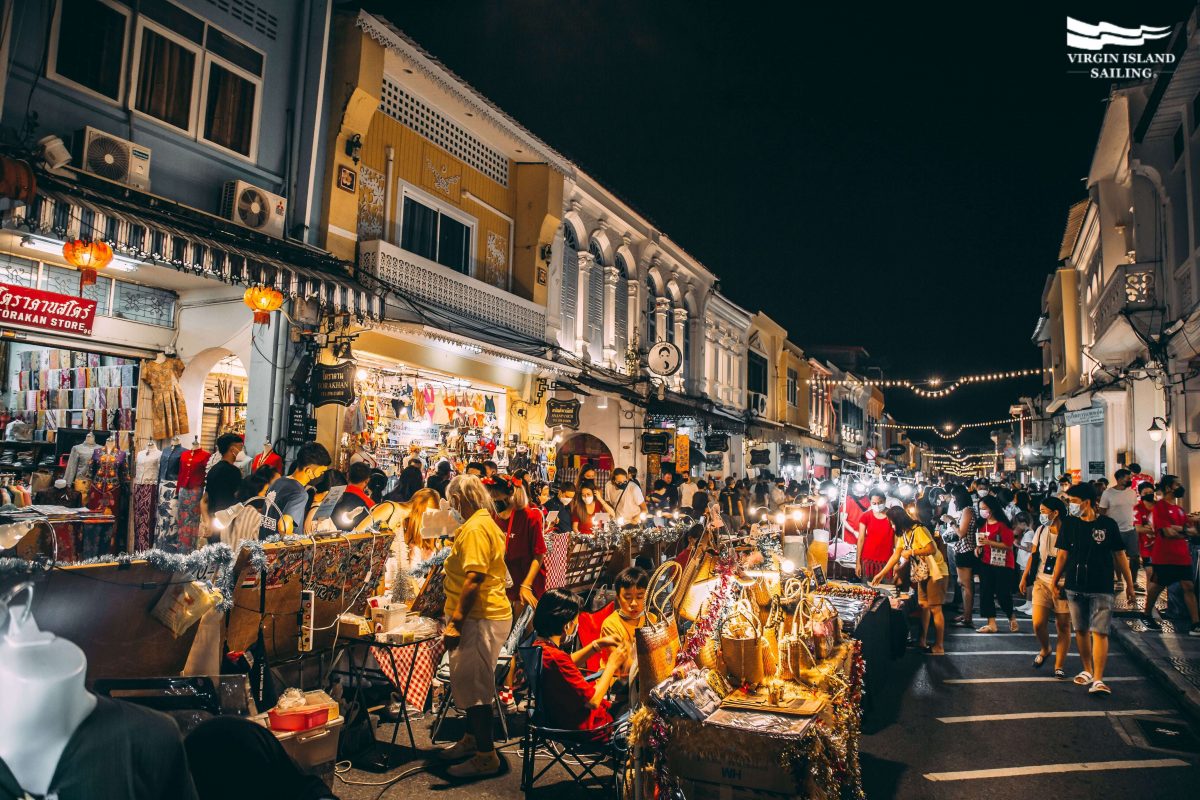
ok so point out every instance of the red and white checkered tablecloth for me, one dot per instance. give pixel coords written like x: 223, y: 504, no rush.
x: 558, y: 547
x: 428, y: 654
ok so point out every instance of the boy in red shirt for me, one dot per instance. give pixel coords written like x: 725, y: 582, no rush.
x: 1144, y: 525
x: 1171, y: 556
x: 568, y: 701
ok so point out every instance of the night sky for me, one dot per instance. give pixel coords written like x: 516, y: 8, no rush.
x: 895, y: 177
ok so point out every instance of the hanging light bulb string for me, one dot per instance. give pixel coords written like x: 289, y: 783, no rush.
x: 936, y: 386
x: 950, y: 430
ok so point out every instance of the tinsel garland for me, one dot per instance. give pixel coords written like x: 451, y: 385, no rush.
x: 708, y: 626
x: 610, y: 535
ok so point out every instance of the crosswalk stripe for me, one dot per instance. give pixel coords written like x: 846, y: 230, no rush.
x: 1013, y: 653
x: 1041, y: 769
x: 979, y: 635
x: 1053, y: 715
x: 1031, y: 679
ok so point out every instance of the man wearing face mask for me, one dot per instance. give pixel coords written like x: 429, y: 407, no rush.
x: 1170, y: 553
x: 1088, y: 548
x: 876, y: 537
x: 624, y: 496
x: 1117, y: 502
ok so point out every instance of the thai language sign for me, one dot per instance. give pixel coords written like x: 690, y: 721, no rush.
x: 21, y: 305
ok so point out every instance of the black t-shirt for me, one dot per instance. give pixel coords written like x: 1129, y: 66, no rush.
x: 222, y: 484
x: 1091, y: 546
x: 564, y: 523
x: 119, y: 750
x: 729, y: 502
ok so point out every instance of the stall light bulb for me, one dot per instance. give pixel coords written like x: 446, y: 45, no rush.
x: 832, y: 493
x: 906, y: 490
x: 620, y: 521
x: 788, y: 565
x: 361, y: 374
x: 797, y: 515
x: 859, y: 487
x: 779, y: 518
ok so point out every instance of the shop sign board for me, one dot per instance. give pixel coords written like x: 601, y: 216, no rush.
x: 716, y: 443
x: 714, y: 462
x: 683, y: 453
x: 760, y: 458
x: 1010, y: 464
x: 62, y: 313
x: 332, y: 383
x: 562, y: 413
x: 1096, y: 467
x: 656, y: 443
x: 301, y: 427
x: 664, y: 359
x: 1086, y: 416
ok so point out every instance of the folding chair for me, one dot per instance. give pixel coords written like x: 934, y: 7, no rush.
x: 585, y: 750
x: 503, y: 663
x: 590, y: 623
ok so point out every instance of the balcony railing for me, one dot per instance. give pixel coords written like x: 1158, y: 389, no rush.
x: 1131, y: 288
x: 430, y: 282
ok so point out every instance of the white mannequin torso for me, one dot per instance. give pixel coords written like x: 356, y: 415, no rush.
x: 42, y: 700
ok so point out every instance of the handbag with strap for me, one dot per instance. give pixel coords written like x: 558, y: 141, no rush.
x: 918, y: 568
x: 742, y: 645
x: 657, y: 642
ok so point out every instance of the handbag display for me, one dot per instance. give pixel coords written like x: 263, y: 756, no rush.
x: 658, y: 642
x: 742, y: 645
x: 700, y: 566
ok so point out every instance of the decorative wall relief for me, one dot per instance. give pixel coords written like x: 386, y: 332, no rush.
x: 370, y: 203
x: 495, y: 263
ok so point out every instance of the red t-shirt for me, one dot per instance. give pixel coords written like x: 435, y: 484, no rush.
x: 854, y: 515
x: 1141, y: 516
x: 1169, y: 551
x: 524, y: 542
x: 998, y: 532
x: 880, y: 539
x: 566, y: 694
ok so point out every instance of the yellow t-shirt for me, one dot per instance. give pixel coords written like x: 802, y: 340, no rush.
x: 921, y: 539
x: 478, y: 547
x: 616, y: 625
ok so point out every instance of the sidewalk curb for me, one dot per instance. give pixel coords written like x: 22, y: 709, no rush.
x: 1164, y: 673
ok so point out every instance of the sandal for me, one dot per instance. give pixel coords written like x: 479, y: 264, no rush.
x: 937, y: 651
x: 1061, y: 674
x: 966, y: 623
x: 960, y: 618
x: 1099, y: 687
x: 989, y: 628
x: 1039, y: 659
x: 1013, y: 627
x: 1083, y: 678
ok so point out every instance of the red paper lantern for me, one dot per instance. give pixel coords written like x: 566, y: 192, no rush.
x: 88, y: 257
x: 263, y: 300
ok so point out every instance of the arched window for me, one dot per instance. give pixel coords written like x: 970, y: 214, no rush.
x: 621, y: 312
x: 596, y: 301
x: 570, y: 281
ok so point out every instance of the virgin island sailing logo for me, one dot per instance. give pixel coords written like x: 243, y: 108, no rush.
x: 1123, y: 61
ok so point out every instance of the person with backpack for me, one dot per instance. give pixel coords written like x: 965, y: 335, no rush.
x: 1037, y: 584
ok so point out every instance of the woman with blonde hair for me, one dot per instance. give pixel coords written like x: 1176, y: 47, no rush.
x: 478, y: 619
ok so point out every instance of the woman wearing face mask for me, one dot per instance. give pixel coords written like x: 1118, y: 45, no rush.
x: 1172, y: 557
x: 997, y: 566
x: 966, y: 563
x: 478, y: 618
x: 1143, y: 524
x: 588, y: 503
x: 524, y: 545
x: 1037, y: 581
x: 876, y: 538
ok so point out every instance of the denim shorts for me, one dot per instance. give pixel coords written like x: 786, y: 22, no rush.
x: 1090, y: 612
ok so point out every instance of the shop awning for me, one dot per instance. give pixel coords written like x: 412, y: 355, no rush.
x: 215, y: 253
x: 676, y: 405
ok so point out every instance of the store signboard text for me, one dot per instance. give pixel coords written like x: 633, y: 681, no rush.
x: 21, y: 305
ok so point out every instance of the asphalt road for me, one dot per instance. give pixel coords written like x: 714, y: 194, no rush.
x: 970, y: 724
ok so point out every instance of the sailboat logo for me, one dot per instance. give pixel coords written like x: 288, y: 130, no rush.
x: 1085, y: 36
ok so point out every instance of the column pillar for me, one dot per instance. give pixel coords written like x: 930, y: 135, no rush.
x: 587, y: 262
x: 662, y: 306
x: 631, y: 316
x: 679, y: 337
x: 612, y: 277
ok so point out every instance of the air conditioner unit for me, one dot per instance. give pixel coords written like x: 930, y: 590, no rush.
x: 114, y: 158
x: 254, y: 208
x: 758, y: 404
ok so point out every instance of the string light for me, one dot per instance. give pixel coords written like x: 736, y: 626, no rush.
x: 949, y: 430
x: 939, y: 387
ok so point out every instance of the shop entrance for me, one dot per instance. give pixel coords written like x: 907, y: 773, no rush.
x: 580, y: 451
x: 225, y: 396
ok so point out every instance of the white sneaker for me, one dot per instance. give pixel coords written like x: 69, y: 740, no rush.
x: 479, y: 765
x: 463, y: 748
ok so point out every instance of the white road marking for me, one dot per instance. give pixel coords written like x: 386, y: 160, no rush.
x: 1012, y: 653
x: 1041, y: 769
x: 1054, y: 715
x: 1028, y: 679
x: 978, y: 635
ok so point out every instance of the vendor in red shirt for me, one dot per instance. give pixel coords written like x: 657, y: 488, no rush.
x: 1144, y: 525
x: 525, y: 546
x: 568, y: 701
x: 1172, y: 559
x: 876, y: 538
x: 997, y: 571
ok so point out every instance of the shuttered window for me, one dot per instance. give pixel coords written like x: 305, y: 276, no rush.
x: 621, y: 312
x: 570, y: 281
x: 596, y: 301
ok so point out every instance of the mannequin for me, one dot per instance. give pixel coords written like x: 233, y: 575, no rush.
x: 166, y: 524
x: 109, y: 471
x: 80, y: 458
x: 167, y: 404
x: 56, y: 737
x: 193, y: 468
x: 268, y: 457
x: 145, y: 491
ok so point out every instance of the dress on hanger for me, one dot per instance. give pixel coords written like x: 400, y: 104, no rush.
x: 145, y: 493
x: 167, y: 404
x: 166, y: 514
x: 428, y: 396
x: 489, y: 405
x: 193, y: 468
x: 107, y: 473
x: 477, y: 417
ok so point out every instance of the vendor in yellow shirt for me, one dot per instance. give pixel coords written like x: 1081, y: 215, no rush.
x: 632, y: 584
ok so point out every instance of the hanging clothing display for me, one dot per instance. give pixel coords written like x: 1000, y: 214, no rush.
x: 108, y: 471
x: 145, y: 495
x: 193, y: 468
x: 166, y: 510
x: 267, y: 458
x: 167, y: 404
